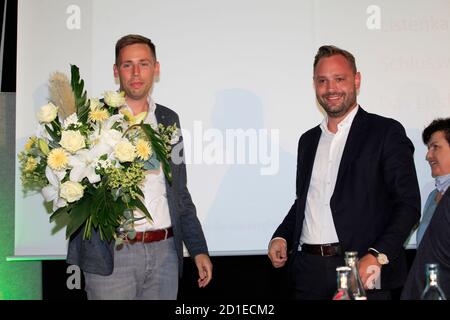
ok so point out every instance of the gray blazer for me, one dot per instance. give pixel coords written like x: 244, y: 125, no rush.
x: 97, y: 256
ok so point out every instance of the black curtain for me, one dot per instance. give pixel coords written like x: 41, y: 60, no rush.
x: 10, y: 45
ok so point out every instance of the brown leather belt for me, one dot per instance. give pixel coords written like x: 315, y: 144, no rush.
x: 152, y: 235
x: 324, y: 250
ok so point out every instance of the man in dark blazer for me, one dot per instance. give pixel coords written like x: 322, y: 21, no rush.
x: 356, y: 190
x: 148, y: 268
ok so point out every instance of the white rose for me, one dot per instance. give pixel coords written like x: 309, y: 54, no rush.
x: 114, y: 99
x: 71, y: 191
x: 47, y: 113
x: 124, y: 151
x: 72, y: 141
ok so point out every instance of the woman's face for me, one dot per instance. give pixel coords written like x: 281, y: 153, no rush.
x: 438, y: 155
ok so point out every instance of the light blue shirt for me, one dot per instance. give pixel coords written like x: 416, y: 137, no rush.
x: 428, y: 211
x: 442, y: 183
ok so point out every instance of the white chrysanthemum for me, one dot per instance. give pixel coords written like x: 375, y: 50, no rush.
x: 72, y: 119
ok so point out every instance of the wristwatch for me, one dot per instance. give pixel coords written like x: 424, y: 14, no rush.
x: 381, y: 257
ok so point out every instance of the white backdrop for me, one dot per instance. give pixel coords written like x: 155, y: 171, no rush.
x: 230, y: 65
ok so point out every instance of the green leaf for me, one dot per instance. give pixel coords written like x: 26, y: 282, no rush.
x: 80, y: 94
x: 79, y: 214
x: 139, y: 192
x: 116, y: 193
x: 59, y: 212
x: 52, y: 134
x: 137, y: 203
x: 107, y: 212
x: 159, y: 148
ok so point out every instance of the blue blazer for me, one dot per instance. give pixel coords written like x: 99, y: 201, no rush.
x: 97, y: 256
x: 376, y: 201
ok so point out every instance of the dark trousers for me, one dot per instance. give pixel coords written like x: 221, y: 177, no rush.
x: 313, y: 277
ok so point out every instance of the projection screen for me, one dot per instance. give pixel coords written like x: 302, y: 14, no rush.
x: 239, y: 74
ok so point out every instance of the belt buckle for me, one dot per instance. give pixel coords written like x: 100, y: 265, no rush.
x: 143, y: 236
x: 321, y: 251
x: 167, y: 232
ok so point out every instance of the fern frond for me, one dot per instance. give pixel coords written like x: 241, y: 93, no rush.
x: 79, y: 92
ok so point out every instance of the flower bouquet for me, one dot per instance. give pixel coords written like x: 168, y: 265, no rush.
x: 89, y: 158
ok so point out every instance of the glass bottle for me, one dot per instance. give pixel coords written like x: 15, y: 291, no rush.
x: 355, y: 285
x: 342, y: 292
x: 432, y: 290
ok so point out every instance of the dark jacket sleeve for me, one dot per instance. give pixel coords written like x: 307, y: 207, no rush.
x: 400, y: 180
x: 286, y: 229
x: 191, y: 230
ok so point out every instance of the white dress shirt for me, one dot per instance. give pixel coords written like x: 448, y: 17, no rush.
x: 154, y: 189
x: 318, y: 225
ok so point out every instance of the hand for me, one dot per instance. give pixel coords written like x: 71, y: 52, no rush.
x: 278, y: 252
x: 204, y: 267
x: 369, y: 263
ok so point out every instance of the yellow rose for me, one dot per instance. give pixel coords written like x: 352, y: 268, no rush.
x: 72, y: 140
x: 71, y: 191
x: 124, y: 151
x: 47, y: 113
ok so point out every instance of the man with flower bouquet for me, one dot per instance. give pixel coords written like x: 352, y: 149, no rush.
x: 115, y: 167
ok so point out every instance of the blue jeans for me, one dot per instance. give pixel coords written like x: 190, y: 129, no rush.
x: 142, y: 271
